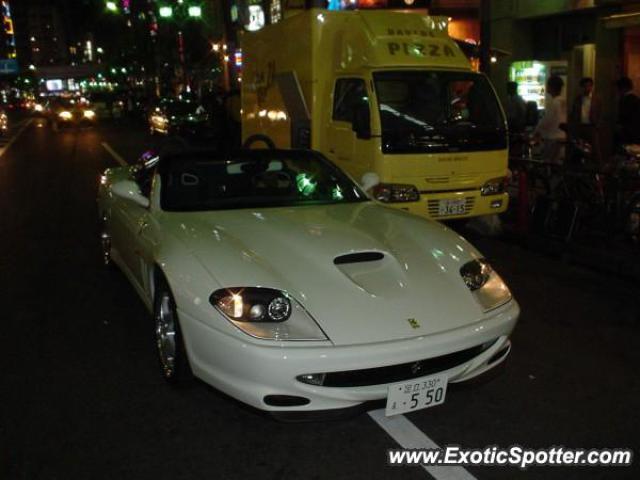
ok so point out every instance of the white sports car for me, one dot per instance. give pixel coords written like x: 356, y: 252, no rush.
x: 272, y: 276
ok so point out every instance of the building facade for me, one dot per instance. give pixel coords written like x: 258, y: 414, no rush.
x: 40, y: 34
x: 571, y: 38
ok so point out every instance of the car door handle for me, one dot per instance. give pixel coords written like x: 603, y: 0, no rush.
x: 331, y: 150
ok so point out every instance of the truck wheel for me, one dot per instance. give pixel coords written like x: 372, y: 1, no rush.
x: 259, y: 142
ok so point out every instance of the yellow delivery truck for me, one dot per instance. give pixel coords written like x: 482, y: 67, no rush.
x: 383, y: 92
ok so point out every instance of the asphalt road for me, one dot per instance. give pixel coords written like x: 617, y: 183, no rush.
x: 81, y: 397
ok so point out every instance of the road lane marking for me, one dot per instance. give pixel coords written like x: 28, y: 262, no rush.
x: 4, y: 148
x: 407, y: 435
x: 116, y: 156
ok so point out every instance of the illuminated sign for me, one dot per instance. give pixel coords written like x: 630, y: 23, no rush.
x: 256, y: 18
x: 7, y: 25
x: 276, y: 11
x: 54, y: 85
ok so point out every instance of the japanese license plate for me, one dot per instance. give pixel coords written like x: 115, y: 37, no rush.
x: 451, y: 207
x: 416, y: 394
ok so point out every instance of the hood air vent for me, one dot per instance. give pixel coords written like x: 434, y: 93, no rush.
x: 358, y: 258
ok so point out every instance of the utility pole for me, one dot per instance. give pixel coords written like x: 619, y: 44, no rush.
x: 485, y: 36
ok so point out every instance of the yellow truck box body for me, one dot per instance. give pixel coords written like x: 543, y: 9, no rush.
x: 289, y: 84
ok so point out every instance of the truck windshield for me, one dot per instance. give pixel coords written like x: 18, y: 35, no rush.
x: 431, y: 112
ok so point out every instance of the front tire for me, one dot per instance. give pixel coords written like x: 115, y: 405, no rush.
x: 174, y: 364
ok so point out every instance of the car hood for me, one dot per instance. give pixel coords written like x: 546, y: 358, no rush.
x: 403, y: 282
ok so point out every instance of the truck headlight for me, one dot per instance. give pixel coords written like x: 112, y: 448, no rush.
x: 266, y: 313
x: 89, y: 114
x: 65, y: 115
x: 395, y: 193
x: 485, y: 284
x: 493, y: 186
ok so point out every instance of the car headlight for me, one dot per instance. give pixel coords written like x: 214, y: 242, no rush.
x: 395, y: 192
x: 493, y: 186
x: 65, y: 115
x: 485, y: 284
x: 90, y: 114
x: 266, y: 313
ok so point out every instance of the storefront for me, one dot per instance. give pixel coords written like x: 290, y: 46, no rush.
x: 574, y: 39
x: 628, y: 23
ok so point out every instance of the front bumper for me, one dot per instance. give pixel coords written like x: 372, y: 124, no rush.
x: 250, y: 371
x: 475, y: 205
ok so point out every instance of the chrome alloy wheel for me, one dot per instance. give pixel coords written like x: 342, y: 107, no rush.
x: 166, y: 334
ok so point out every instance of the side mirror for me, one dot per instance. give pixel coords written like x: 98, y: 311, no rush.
x: 369, y: 180
x: 361, y: 123
x: 128, y: 189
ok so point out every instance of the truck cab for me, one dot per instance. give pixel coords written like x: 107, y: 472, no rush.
x: 383, y: 92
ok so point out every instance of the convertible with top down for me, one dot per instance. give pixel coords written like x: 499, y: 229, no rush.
x: 274, y: 277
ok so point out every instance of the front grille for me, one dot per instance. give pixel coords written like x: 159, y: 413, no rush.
x: 405, y: 371
x: 460, y: 178
x: 433, y: 207
x: 437, y: 180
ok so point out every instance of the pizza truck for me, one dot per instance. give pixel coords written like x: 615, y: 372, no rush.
x: 388, y: 93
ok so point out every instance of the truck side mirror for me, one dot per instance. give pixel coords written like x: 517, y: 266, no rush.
x: 361, y: 123
x: 369, y: 180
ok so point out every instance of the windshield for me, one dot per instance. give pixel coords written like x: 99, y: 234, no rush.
x: 182, y: 108
x: 251, y: 180
x: 427, y: 111
x: 66, y: 103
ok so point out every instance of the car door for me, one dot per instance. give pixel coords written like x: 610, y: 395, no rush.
x: 128, y: 221
x: 349, y: 130
x: 143, y: 226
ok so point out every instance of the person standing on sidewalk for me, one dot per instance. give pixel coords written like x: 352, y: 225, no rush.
x: 585, y: 118
x: 628, y: 128
x: 551, y: 128
x: 515, y: 108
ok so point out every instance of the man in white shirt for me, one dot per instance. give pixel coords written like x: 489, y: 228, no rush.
x: 551, y: 128
x: 585, y: 116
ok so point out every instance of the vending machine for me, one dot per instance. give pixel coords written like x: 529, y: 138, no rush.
x: 532, y: 75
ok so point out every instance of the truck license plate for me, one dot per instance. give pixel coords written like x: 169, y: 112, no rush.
x: 451, y: 207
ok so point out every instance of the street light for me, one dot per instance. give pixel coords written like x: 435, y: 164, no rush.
x: 195, y: 11
x: 166, y: 12
x: 112, y: 6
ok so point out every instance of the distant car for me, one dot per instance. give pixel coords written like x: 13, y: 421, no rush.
x: 70, y: 111
x: 273, y: 277
x: 178, y: 117
x: 4, y: 122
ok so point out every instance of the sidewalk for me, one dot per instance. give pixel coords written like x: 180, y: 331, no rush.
x: 620, y: 259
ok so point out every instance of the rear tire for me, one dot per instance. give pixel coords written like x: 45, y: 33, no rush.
x: 172, y: 355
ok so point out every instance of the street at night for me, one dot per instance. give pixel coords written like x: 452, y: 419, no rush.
x: 319, y: 239
x: 82, y: 397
